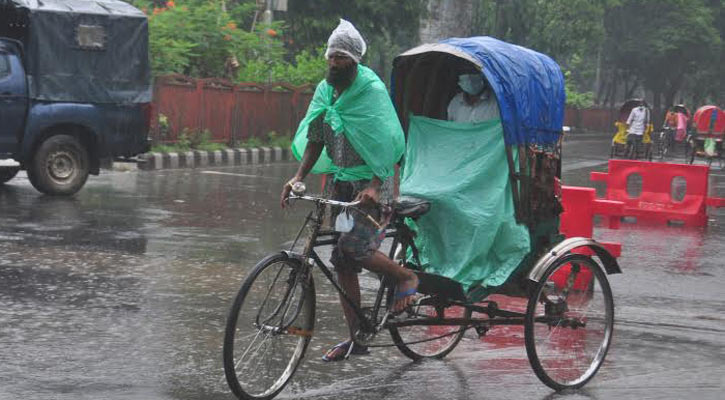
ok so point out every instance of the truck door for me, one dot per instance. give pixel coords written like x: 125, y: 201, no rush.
x: 13, y: 99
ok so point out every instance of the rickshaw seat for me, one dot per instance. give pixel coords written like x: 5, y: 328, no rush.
x: 411, y: 207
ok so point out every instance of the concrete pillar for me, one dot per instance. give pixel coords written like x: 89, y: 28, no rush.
x: 201, y: 158
x: 265, y: 154
x: 254, y: 156
x: 189, y: 159
x: 157, y: 160
x: 218, y: 157
x: 277, y: 154
x: 230, y: 157
x: 173, y: 160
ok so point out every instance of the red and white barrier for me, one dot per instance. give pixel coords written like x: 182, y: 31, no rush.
x: 655, y: 202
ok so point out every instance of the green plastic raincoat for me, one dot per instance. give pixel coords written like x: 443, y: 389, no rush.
x: 365, y: 115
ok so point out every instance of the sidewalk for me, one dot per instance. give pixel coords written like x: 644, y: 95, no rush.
x: 198, y: 158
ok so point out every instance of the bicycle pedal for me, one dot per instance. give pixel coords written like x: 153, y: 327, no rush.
x: 481, y: 331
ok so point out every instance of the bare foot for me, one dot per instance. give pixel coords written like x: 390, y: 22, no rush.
x: 405, y: 293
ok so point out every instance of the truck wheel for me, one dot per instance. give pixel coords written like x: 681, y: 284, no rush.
x: 8, y: 173
x: 60, y: 166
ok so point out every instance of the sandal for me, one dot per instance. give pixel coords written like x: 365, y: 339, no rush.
x: 407, y: 293
x: 343, y: 350
x: 402, y: 295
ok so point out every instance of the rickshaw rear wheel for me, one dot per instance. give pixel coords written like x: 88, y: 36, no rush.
x: 569, y: 322
x: 419, y: 342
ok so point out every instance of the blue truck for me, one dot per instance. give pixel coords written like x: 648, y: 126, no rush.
x: 75, y: 89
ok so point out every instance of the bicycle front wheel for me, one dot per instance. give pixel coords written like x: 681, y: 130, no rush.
x: 569, y: 322
x: 269, y: 327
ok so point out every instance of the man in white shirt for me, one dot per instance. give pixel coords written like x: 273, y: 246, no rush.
x: 476, y: 103
x: 636, y: 125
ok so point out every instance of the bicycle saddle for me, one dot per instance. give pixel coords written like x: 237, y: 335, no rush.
x: 411, y: 207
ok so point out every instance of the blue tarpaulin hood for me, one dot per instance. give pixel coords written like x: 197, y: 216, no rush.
x: 529, y: 85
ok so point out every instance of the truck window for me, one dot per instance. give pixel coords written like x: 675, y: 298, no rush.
x: 4, y: 66
x: 91, y: 37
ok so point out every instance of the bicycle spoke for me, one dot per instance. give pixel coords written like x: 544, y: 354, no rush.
x: 567, y: 351
x: 259, y: 353
x: 247, y: 350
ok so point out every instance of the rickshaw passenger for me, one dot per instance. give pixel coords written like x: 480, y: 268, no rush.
x: 669, y: 126
x: 637, y: 123
x: 681, y: 127
x: 475, y: 103
x: 358, y: 247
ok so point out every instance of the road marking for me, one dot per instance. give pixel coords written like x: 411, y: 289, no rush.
x: 232, y: 174
x: 583, y: 164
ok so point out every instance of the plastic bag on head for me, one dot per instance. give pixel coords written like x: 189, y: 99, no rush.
x: 347, y: 40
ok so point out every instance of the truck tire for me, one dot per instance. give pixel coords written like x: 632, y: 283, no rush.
x: 60, y: 166
x: 8, y: 173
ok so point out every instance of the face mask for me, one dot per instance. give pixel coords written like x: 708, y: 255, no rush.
x: 471, y: 83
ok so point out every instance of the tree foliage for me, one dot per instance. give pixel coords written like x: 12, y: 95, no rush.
x: 569, y: 31
x: 309, y: 66
x: 612, y: 49
x: 661, y: 43
x: 662, y: 46
x: 200, y: 39
x: 388, y: 26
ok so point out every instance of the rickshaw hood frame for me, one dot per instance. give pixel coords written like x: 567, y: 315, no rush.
x: 529, y: 86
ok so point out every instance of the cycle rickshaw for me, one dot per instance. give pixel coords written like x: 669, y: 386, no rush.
x: 620, y: 147
x: 709, y: 131
x: 674, y: 131
x: 556, y: 288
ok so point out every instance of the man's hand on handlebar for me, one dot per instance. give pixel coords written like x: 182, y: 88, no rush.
x: 286, y: 190
x: 369, y: 196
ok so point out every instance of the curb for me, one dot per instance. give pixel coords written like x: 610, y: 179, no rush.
x: 218, y: 158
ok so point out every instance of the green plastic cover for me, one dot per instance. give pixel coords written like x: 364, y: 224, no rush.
x: 710, y: 147
x: 364, y: 113
x: 470, y: 234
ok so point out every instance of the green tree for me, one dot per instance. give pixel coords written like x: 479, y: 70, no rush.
x: 707, y: 84
x: 309, y: 67
x: 389, y: 26
x: 569, y: 31
x: 661, y: 42
x: 198, y: 38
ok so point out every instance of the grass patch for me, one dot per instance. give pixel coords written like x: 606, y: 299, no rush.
x: 272, y: 139
x: 201, y: 140
x: 212, y: 146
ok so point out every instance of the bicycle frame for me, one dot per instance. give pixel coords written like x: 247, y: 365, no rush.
x: 318, y: 237
x: 368, y: 323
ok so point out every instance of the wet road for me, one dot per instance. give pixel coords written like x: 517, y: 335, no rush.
x: 122, y: 293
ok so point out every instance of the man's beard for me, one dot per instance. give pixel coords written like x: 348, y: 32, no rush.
x: 341, y: 76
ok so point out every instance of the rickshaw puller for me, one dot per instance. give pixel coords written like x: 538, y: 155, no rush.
x: 637, y: 123
x: 357, y: 248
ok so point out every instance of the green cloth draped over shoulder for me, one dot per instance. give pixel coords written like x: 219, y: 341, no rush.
x: 470, y: 233
x: 367, y: 118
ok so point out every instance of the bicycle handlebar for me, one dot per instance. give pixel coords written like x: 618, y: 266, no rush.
x: 324, y: 201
